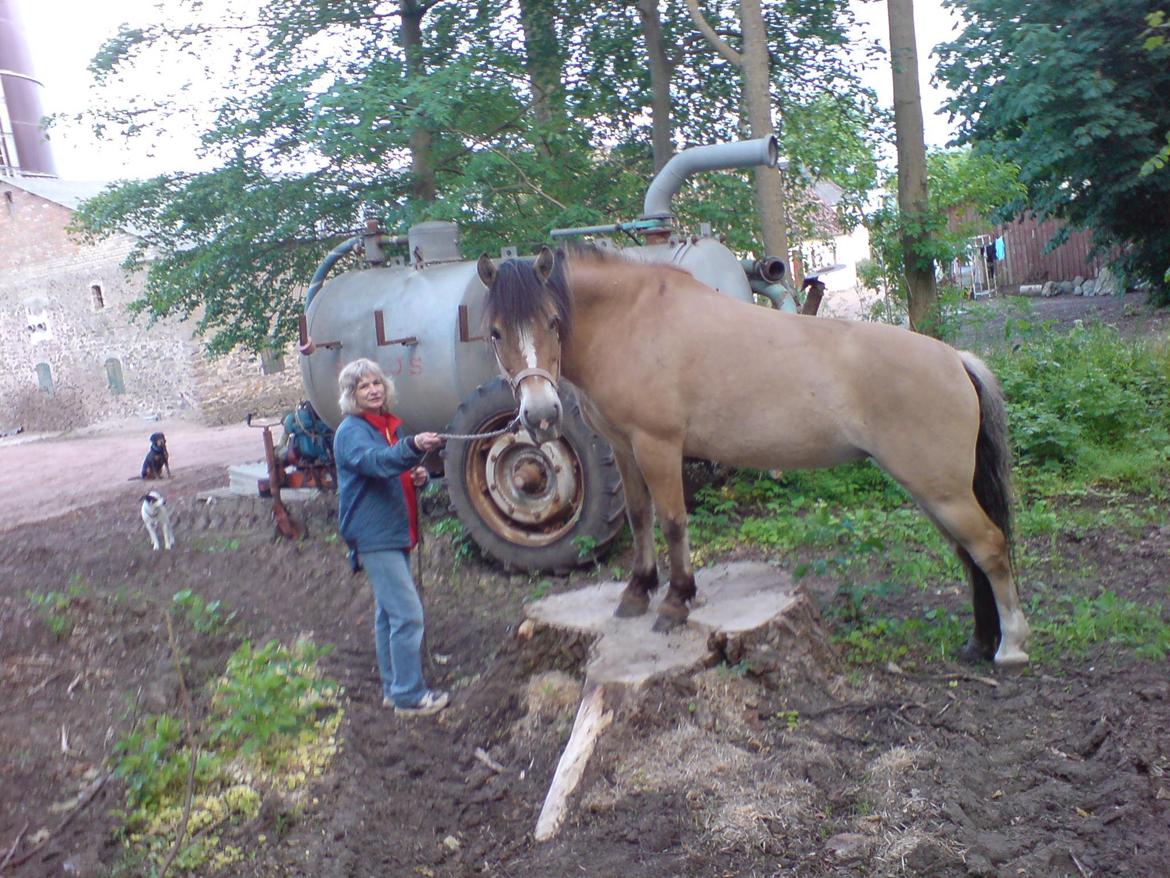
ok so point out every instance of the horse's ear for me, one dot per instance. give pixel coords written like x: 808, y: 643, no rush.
x: 486, y: 269
x: 544, y: 264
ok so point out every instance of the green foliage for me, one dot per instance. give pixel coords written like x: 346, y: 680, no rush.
x: 153, y: 762
x: 1064, y: 91
x: 967, y: 192
x: 273, y: 723
x: 1071, y: 626
x: 58, y: 609
x: 586, y: 546
x: 331, y: 112
x: 461, y: 542
x: 934, y: 637
x: 266, y: 695
x: 540, y: 590
x: 1086, y: 401
x: 206, y: 617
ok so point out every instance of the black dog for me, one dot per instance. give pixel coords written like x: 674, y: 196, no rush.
x: 157, y: 458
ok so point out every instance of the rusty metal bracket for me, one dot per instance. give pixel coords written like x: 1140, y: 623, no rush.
x: 380, y: 332
x: 303, y: 328
x: 465, y: 328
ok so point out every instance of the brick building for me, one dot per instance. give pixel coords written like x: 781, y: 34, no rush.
x: 73, y: 353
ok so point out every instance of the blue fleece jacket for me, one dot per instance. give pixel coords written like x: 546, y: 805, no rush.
x: 372, y: 514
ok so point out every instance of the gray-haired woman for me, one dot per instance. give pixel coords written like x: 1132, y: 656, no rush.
x: 377, y: 473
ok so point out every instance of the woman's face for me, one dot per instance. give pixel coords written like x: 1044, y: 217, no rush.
x: 370, y: 393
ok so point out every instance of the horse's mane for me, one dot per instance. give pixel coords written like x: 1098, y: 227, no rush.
x: 517, y: 296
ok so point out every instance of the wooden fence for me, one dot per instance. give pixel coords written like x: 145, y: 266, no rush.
x: 1026, y: 262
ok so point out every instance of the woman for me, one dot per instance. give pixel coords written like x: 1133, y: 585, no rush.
x: 377, y: 474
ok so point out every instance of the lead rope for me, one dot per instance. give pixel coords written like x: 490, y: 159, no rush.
x: 512, y: 426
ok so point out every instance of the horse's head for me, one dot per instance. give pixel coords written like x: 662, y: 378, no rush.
x: 527, y: 311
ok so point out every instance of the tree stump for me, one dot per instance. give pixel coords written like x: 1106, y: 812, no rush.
x: 744, y: 612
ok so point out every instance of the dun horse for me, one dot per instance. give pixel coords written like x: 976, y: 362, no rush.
x: 670, y: 368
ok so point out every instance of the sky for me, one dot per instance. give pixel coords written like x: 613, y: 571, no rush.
x: 60, y: 56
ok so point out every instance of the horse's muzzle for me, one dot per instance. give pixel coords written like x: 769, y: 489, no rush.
x: 540, y: 411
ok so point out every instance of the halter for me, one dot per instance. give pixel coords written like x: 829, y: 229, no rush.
x: 514, y: 380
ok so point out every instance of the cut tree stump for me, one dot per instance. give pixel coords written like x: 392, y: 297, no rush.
x: 744, y: 611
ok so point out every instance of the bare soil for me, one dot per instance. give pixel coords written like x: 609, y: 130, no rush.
x: 813, y: 768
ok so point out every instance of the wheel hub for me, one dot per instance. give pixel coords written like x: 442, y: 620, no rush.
x: 530, y: 483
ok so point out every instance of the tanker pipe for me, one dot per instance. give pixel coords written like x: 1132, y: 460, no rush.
x: 777, y: 293
x: 327, y: 263
x: 715, y: 157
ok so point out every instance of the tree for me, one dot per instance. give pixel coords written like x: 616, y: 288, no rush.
x: 967, y: 192
x: 913, y: 196
x: 1075, y: 96
x: 753, y: 61
x: 508, y: 118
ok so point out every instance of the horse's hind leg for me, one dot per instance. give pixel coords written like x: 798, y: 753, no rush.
x: 986, y: 548
x: 635, y: 598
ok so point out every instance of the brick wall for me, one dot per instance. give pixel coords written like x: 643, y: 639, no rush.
x: 64, y: 316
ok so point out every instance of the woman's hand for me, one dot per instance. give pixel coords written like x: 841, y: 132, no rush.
x: 427, y: 441
x: 419, y: 476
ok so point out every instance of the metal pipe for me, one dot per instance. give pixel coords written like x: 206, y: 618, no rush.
x: 327, y: 263
x: 778, y: 294
x: 715, y: 157
x: 770, y: 269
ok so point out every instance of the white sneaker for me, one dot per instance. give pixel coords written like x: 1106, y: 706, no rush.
x: 432, y: 702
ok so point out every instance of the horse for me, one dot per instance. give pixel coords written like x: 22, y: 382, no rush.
x: 668, y: 368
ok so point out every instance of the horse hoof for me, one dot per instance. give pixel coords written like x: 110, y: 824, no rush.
x: 665, y: 624
x: 974, y: 653
x: 1013, y: 659
x: 632, y: 605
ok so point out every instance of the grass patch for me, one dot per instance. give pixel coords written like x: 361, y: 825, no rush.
x: 1069, y: 626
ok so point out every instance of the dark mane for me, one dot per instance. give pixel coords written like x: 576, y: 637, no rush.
x: 517, y: 296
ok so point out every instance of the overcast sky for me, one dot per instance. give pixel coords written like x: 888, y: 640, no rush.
x: 64, y: 35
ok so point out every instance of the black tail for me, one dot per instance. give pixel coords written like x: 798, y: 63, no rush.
x: 992, y: 485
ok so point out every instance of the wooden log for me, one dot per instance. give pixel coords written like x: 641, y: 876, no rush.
x: 592, y: 720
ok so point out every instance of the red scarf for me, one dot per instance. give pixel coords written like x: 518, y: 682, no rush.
x: 387, y: 425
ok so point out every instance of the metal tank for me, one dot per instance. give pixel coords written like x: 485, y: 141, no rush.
x: 550, y: 506
x: 406, y: 320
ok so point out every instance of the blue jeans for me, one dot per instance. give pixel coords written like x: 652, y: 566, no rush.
x: 398, y: 626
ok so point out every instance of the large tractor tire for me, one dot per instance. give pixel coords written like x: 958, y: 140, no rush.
x: 532, y: 507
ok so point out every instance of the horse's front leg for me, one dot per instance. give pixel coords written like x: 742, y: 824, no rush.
x: 661, y: 465
x: 635, y: 598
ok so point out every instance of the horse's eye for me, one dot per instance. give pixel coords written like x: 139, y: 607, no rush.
x: 552, y: 324
x: 496, y: 334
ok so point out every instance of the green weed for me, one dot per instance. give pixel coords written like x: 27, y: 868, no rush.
x: 586, y: 546
x: 58, y: 609
x: 266, y: 695
x: 461, y: 542
x: 541, y: 589
x: 206, y: 617
x: 1070, y: 626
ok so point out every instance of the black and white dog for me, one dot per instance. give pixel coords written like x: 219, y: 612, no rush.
x: 157, y: 458
x: 155, y: 516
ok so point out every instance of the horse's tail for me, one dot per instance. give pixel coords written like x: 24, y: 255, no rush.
x: 992, y: 483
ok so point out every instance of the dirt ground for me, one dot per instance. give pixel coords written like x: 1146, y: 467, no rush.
x: 814, y: 768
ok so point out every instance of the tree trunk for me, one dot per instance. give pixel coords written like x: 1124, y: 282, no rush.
x: 542, y: 62
x: 422, y: 167
x: 770, y: 200
x: 660, y: 72
x: 753, y: 63
x: 913, y: 200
